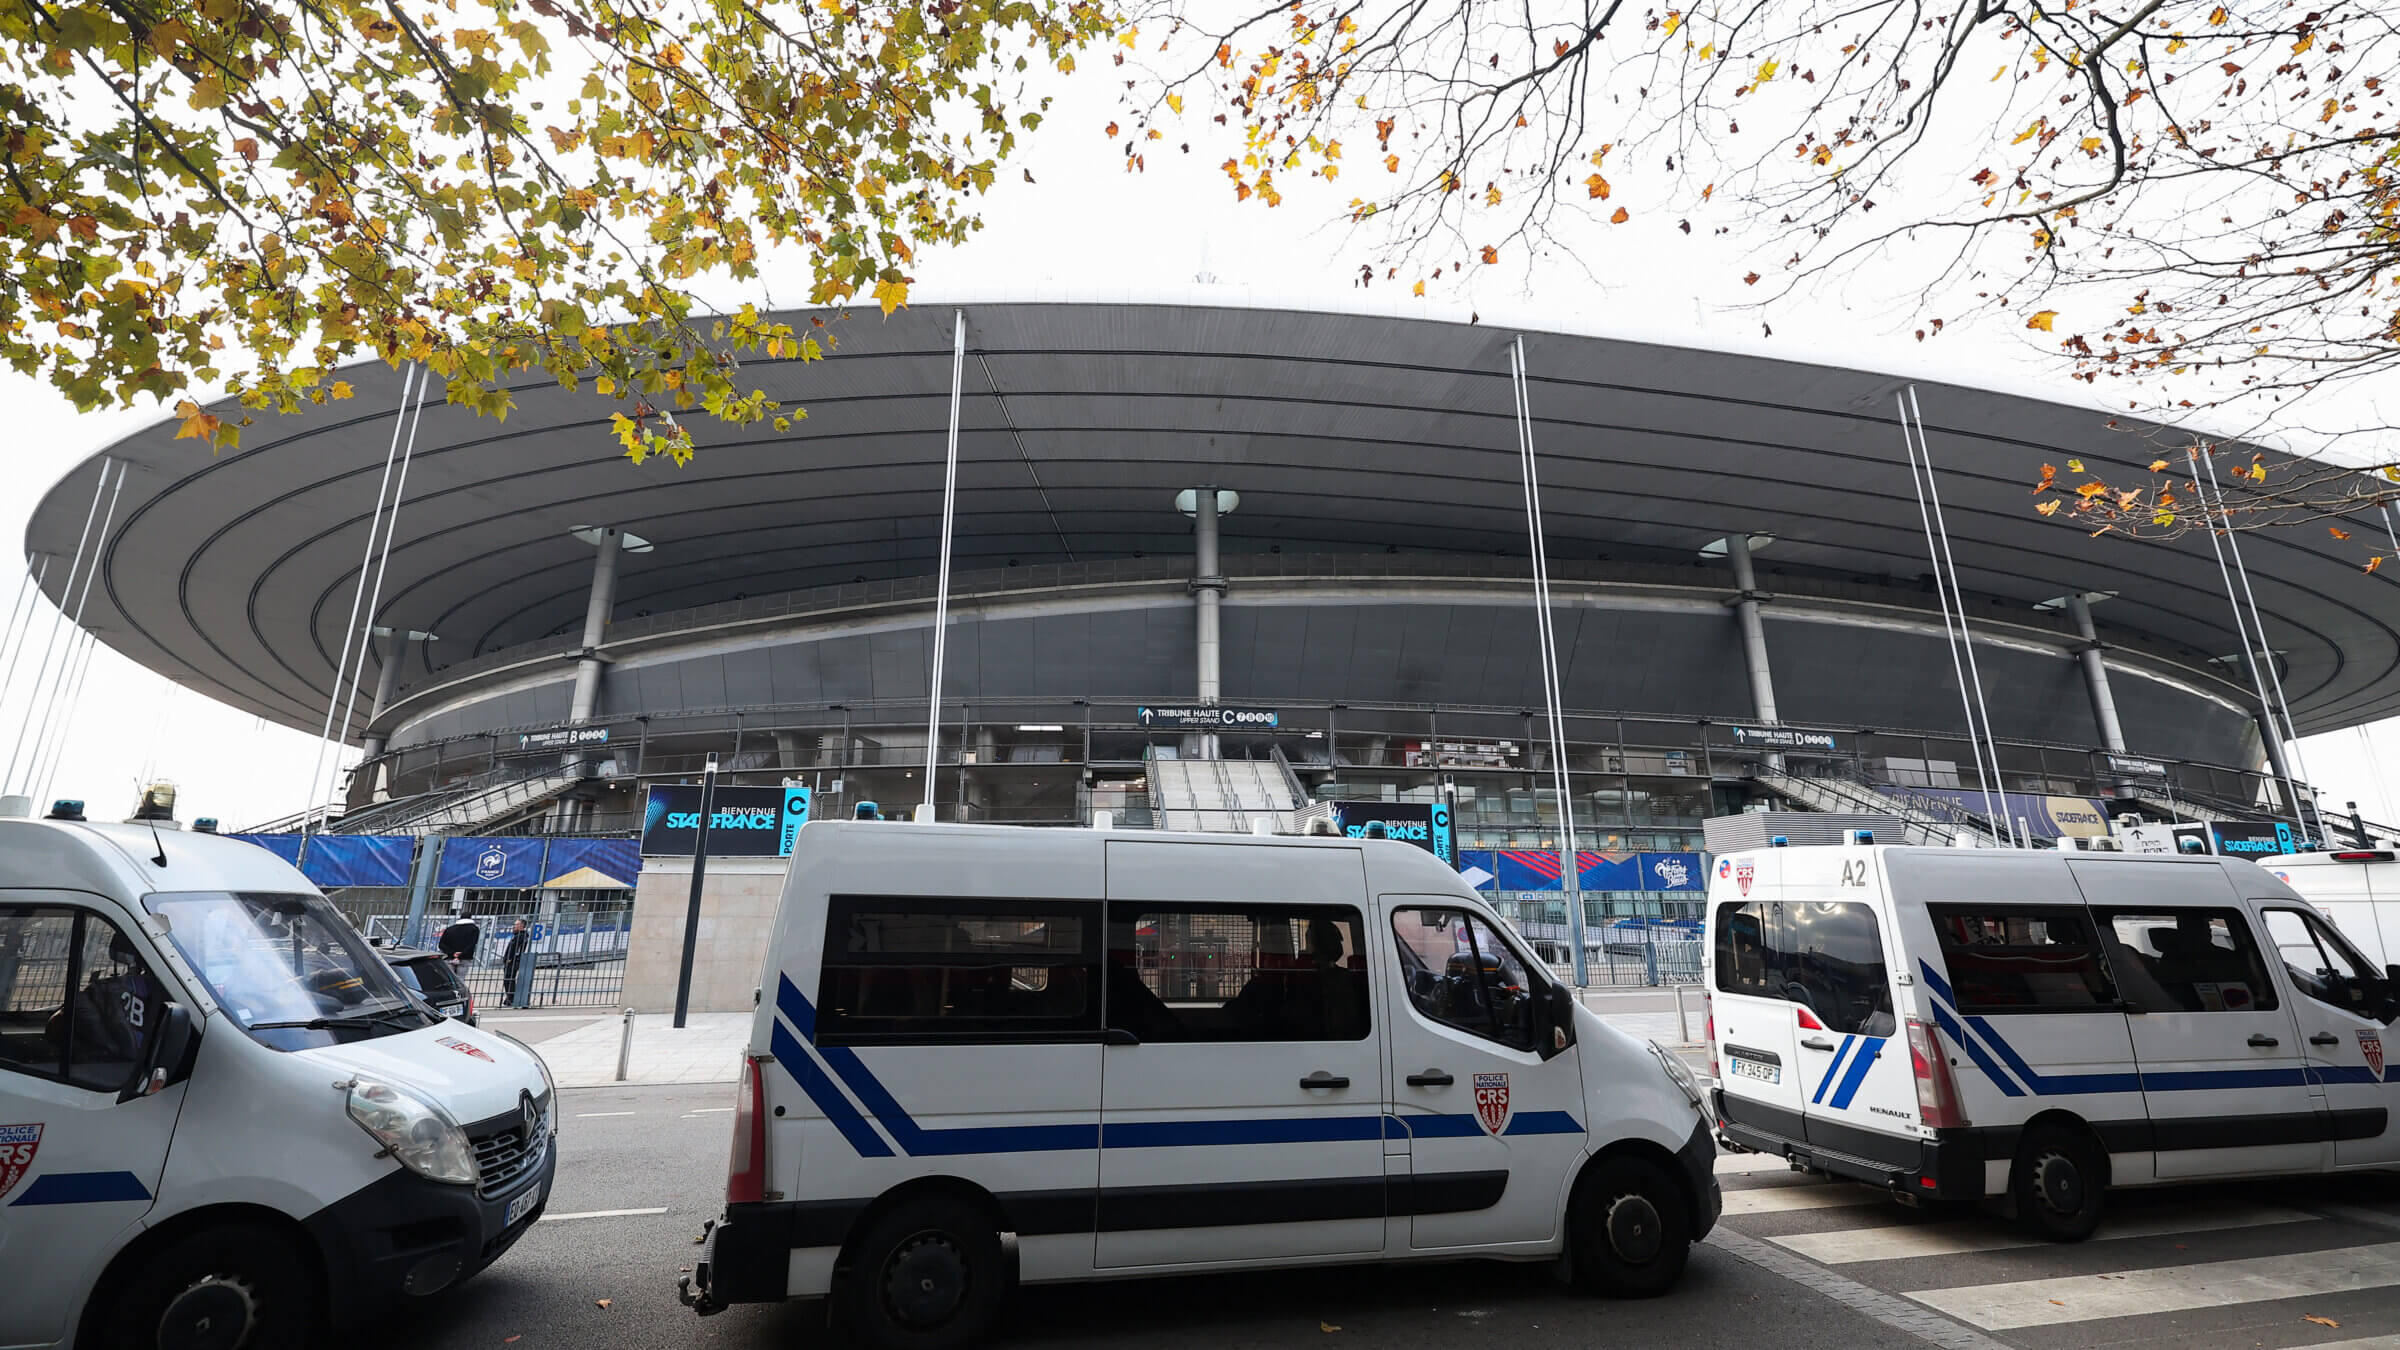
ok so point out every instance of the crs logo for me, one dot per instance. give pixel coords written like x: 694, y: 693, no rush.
x: 491, y: 864
x: 18, y: 1144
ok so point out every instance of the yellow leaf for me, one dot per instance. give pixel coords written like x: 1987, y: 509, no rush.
x: 339, y: 389
x: 1491, y: 195
x: 1674, y: 21
x: 1391, y: 163
x: 1620, y: 217
x: 1420, y: 289
x: 2158, y: 466
x: 2073, y: 465
x: 2048, y: 508
x: 1766, y: 72
x: 1709, y: 52
x: 1597, y: 187
x: 2028, y: 133
x: 891, y: 295
x: 197, y: 424
x: 2043, y: 320
x: 2337, y: 531
x: 1175, y: 101
x: 2093, y: 145
x: 2373, y: 563
x: 2162, y: 519
x: 2217, y: 17
x: 2320, y: 1321
x: 2258, y: 473
x: 2307, y: 40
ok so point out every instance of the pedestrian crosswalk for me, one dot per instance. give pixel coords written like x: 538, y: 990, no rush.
x: 2316, y: 1261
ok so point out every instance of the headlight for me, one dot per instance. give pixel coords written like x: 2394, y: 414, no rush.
x: 1679, y: 1071
x: 419, y: 1134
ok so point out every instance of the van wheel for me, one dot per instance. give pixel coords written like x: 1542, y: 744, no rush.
x: 928, y: 1275
x: 2057, y: 1184
x: 1630, y: 1227
x: 217, y: 1289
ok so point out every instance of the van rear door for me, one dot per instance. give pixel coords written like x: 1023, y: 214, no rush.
x: 1750, y: 974
x: 1859, y: 1095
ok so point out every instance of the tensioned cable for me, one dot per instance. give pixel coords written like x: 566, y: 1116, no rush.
x: 1958, y: 595
x: 28, y: 596
x: 2258, y: 621
x: 1570, y: 859
x: 1010, y: 418
x: 41, y: 675
x: 391, y: 527
x: 2241, y: 629
x: 316, y: 773
x: 941, y: 595
x: 79, y: 654
x: 1941, y: 595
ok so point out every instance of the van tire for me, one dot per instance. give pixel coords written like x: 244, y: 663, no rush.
x: 928, y: 1274
x: 1630, y: 1228
x: 2057, y: 1183
x: 255, y: 1272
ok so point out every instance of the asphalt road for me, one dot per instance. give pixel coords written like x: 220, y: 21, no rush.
x: 1802, y: 1265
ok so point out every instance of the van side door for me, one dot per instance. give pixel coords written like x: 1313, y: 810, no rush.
x: 2342, y: 1008
x: 1241, y: 1101
x: 1861, y: 1092
x: 81, y: 1149
x: 1495, y: 1128
x: 2223, y: 1076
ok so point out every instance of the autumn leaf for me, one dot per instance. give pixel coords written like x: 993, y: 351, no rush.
x: 2158, y: 466
x: 2373, y: 563
x: 2217, y: 17
x: 1391, y: 163
x: 891, y: 295
x: 2075, y: 466
x: 1751, y: 279
x: 602, y: 1302
x: 1491, y: 194
x: 2320, y: 1321
x: 2043, y: 320
x: 2258, y: 473
x: 1766, y: 72
x: 1596, y: 187
x: 1621, y: 216
x: 197, y: 424
x: 2337, y: 531
x: 1560, y: 47
x: 1111, y: 131
x: 1420, y: 289
x: 1492, y: 255
x: 2049, y: 508
x: 2049, y: 475
x: 1175, y: 101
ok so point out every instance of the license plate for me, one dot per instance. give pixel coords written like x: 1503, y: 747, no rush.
x: 522, y: 1205
x: 1751, y: 1068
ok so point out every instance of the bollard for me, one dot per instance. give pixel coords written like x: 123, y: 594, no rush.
x: 625, y: 1048
x: 1683, y: 1020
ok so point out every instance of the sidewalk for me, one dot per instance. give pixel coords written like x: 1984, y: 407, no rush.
x: 707, y: 1050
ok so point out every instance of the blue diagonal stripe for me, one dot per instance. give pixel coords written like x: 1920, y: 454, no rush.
x: 797, y: 1062
x: 1832, y: 1070
x: 83, y: 1188
x: 1860, y: 1063
x: 1983, y: 1059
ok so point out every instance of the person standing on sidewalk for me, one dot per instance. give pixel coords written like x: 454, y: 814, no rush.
x: 512, y: 957
x: 461, y: 938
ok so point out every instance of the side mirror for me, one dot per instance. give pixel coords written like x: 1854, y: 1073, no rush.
x: 171, y: 1051
x: 1559, y: 1010
x: 2392, y: 974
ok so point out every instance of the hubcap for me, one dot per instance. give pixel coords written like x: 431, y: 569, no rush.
x: 2058, y: 1183
x: 1634, y: 1230
x: 217, y: 1312
x: 925, y: 1280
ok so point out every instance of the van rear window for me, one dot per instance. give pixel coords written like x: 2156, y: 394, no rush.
x: 1826, y: 956
x: 2005, y: 959
x: 923, y: 970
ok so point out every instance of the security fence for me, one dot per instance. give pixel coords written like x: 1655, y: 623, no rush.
x: 576, y: 946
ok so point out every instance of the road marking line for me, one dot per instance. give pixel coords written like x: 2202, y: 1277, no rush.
x: 1732, y: 1163
x: 595, y: 1115
x: 1902, y: 1241
x: 709, y: 1111
x: 603, y: 1214
x: 1781, y: 1199
x: 2134, y: 1293
x: 1889, y: 1309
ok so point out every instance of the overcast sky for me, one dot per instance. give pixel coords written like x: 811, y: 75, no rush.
x: 1084, y: 225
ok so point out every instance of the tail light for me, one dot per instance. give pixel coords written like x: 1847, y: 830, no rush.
x: 1937, y: 1092
x: 1708, y: 1004
x: 746, y: 1171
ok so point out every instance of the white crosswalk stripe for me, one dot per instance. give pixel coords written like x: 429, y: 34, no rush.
x: 1989, y: 1234
x: 2133, y: 1293
x: 1736, y: 1164
x: 1784, y: 1199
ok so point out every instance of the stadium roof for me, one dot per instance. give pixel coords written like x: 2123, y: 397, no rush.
x: 233, y: 573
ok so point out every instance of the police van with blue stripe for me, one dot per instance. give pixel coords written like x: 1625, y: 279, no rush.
x: 986, y: 1055
x: 2034, y: 1028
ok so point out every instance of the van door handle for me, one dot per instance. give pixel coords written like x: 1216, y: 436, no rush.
x: 1430, y: 1078
x: 2324, y: 1038
x: 1816, y: 1043
x: 2263, y: 1041
x: 1322, y: 1079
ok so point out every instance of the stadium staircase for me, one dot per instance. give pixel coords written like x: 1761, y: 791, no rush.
x: 480, y: 802
x: 1218, y: 796
x: 1924, y: 820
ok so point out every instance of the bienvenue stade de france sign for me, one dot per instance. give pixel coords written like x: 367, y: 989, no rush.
x: 1208, y: 715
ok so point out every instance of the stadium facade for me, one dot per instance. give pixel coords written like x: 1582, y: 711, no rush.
x: 1742, y: 602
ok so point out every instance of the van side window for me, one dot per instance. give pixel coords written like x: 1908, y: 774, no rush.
x: 1842, y: 975
x: 1459, y: 972
x: 1237, y: 972
x: 2324, y: 966
x: 1753, y: 950
x: 919, y: 970
x: 2005, y: 959
x: 77, y: 1003
x: 2186, y: 960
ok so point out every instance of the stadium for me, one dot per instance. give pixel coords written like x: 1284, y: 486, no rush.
x: 1743, y: 607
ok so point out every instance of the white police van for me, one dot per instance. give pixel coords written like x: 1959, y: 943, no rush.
x: 1961, y: 1024
x: 222, y: 1120
x: 986, y: 1054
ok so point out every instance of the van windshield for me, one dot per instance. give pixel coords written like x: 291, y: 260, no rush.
x: 288, y: 969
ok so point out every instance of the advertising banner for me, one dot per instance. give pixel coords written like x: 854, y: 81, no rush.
x: 749, y: 822
x: 592, y: 864
x: 2046, y: 817
x: 2258, y: 838
x: 795, y: 814
x: 1534, y: 869
x: 510, y: 862
x: 344, y: 859
x: 1425, y: 824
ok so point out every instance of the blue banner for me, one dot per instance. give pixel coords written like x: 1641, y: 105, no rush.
x: 795, y: 814
x: 591, y: 864
x: 284, y: 846
x: 1674, y: 872
x: 1534, y: 869
x: 333, y: 860
x: 514, y: 863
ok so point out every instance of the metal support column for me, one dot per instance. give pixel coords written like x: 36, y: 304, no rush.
x: 596, y: 608
x: 1754, y: 632
x: 2095, y: 674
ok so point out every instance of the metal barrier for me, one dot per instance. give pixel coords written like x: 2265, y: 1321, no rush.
x: 577, y: 951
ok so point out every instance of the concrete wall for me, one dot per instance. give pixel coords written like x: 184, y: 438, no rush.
x: 738, y: 899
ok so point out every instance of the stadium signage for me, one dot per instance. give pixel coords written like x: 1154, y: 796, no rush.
x: 561, y: 738
x: 1782, y: 738
x: 749, y: 822
x: 1425, y: 824
x: 2127, y: 766
x: 1208, y: 715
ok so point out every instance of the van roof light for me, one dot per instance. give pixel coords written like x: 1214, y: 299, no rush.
x: 1779, y: 842
x: 66, y: 808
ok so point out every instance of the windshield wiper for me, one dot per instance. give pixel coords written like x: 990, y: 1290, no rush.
x: 367, y: 1022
